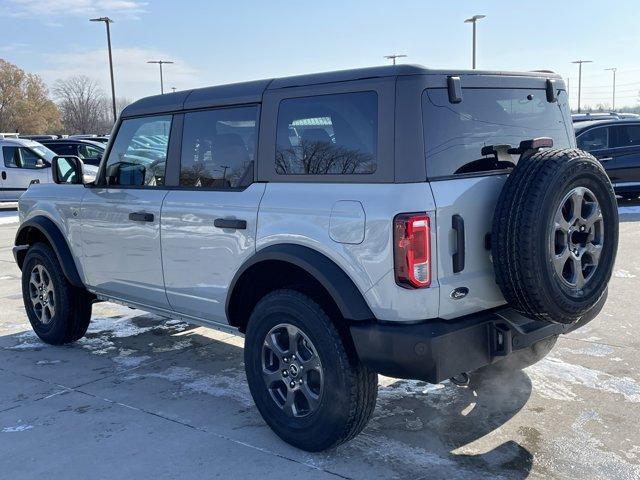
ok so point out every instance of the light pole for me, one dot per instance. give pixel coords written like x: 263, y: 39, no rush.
x: 580, y: 62
x: 160, y: 62
x: 393, y: 57
x: 107, y: 21
x: 613, y: 103
x: 474, y: 20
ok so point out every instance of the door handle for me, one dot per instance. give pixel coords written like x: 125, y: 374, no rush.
x: 457, y: 223
x: 4, y: 175
x: 231, y: 223
x: 141, y: 217
x: 605, y: 159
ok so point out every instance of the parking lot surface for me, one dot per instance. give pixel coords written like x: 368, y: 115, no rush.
x: 145, y: 397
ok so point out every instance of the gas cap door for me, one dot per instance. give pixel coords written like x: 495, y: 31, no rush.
x: 347, y: 222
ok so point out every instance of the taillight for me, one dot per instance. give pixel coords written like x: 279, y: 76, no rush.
x: 412, y: 250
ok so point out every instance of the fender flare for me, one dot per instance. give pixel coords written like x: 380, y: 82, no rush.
x: 57, y: 241
x: 335, y: 281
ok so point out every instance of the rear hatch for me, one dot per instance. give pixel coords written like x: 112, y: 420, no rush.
x: 466, y: 184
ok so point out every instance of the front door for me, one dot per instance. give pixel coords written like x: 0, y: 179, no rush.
x: 626, y: 155
x: 209, y: 222
x: 121, y: 215
x: 20, y: 167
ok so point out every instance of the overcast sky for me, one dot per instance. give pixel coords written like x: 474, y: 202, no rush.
x: 214, y: 42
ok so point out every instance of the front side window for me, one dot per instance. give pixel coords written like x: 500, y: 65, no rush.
x: 218, y: 148
x: 328, y: 135
x: 20, y: 157
x: 594, y: 139
x: 88, y: 151
x: 139, y: 153
x: 454, y: 133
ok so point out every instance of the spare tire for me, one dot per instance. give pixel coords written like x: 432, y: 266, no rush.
x: 555, y: 235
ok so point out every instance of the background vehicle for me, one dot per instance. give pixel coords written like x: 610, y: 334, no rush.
x: 587, y: 117
x: 23, y: 162
x: 616, y: 144
x: 396, y: 220
x: 93, y: 138
x: 88, y: 151
x: 38, y: 138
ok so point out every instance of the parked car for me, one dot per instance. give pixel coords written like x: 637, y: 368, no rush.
x: 25, y: 162
x: 587, y: 117
x: 344, y: 222
x: 39, y: 138
x: 89, y: 151
x: 93, y: 138
x: 616, y: 144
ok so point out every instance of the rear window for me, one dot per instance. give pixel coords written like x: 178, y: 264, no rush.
x: 454, y: 133
x: 328, y: 135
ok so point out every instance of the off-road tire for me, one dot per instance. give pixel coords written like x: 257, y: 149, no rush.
x: 350, y: 389
x: 72, y: 305
x: 522, y: 226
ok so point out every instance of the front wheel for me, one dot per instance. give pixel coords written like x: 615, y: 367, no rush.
x: 308, y: 387
x: 58, y: 312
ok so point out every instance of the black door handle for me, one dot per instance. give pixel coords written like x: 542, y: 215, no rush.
x: 231, y: 223
x: 4, y: 175
x: 457, y: 223
x: 141, y: 217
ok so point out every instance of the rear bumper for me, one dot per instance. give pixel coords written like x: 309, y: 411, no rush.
x: 435, y: 350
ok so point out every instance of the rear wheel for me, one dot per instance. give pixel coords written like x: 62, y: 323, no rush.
x: 308, y: 387
x: 58, y: 312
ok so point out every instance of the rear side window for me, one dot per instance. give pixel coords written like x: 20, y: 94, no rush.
x: 218, y: 148
x: 454, y: 133
x: 139, y: 154
x: 327, y: 135
x: 593, y: 139
x: 625, y: 136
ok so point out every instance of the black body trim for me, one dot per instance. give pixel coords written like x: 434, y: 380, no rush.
x: 56, y: 240
x: 344, y: 292
x: 435, y: 350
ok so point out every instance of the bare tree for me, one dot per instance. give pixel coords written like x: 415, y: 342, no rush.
x: 24, y: 103
x: 82, y: 104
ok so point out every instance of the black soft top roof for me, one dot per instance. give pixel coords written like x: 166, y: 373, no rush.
x: 251, y: 92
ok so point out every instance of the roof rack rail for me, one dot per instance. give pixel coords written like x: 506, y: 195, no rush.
x: 543, y: 71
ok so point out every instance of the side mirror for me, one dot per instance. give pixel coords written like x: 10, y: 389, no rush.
x: 67, y: 169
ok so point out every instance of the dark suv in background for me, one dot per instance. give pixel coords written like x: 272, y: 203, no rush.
x: 89, y: 151
x: 616, y: 144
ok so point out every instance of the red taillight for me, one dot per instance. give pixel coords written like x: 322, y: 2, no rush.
x: 412, y: 250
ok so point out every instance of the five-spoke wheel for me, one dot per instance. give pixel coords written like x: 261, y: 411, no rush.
x: 42, y: 294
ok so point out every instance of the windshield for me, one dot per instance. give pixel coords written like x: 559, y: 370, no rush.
x: 44, y: 152
x: 454, y: 133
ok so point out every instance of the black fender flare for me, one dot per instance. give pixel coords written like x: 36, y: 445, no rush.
x: 57, y: 241
x: 344, y: 292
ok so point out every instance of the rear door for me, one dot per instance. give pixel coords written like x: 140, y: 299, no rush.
x: 466, y: 184
x: 598, y: 141
x: 209, y: 219
x: 625, y: 143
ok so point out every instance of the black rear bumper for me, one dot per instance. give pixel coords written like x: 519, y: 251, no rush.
x: 435, y: 350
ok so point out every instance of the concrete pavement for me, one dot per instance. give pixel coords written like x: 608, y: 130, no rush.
x: 141, y: 397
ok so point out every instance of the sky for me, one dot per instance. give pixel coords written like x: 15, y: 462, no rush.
x: 216, y: 42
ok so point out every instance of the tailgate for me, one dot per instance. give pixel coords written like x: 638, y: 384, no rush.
x: 466, y: 184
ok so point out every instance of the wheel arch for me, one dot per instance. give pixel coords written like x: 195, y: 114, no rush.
x: 291, y: 265
x: 43, y: 229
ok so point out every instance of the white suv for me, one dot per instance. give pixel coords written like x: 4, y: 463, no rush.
x: 395, y: 220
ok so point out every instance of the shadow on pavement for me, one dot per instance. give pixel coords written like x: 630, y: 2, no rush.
x: 170, y: 370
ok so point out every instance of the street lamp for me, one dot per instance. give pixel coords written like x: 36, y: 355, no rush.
x: 107, y: 21
x: 613, y: 103
x: 580, y: 62
x: 393, y: 57
x: 474, y: 20
x: 160, y: 62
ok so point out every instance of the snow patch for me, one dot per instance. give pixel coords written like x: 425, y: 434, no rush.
x: 623, y: 274
x: 228, y: 383
x: 17, y: 428
x: 552, y: 378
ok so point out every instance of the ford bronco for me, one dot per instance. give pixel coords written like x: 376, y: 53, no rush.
x: 395, y: 220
